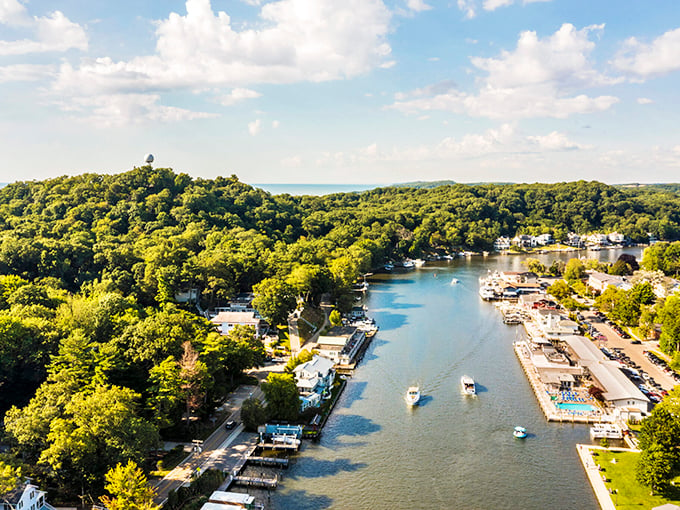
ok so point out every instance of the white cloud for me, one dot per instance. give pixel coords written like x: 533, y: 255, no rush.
x: 275, y: 124
x: 504, y: 140
x: 53, y: 33
x: 556, y: 142
x: 25, y: 72
x: 642, y: 61
x: 469, y: 7
x: 124, y: 109
x: 301, y: 40
x: 537, y: 79
x: 418, y: 5
x: 237, y: 95
x: 644, y: 100
x: 254, y: 127
x: 433, y: 59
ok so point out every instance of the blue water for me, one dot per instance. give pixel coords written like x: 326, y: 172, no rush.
x: 574, y: 407
x: 315, y: 189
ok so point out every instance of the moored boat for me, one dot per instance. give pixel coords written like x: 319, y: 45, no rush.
x: 467, y: 384
x: 520, y: 432
x: 413, y: 395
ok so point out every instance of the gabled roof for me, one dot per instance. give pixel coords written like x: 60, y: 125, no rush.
x: 235, y: 318
x: 14, y: 496
x: 317, y: 364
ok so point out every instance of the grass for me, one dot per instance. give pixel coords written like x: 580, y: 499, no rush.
x: 628, y: 492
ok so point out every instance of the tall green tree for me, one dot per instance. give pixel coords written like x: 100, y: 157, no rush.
x: 274, y: 299
x: 129, y: 489
x: 281, y: 394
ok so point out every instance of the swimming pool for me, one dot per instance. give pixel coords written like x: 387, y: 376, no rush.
x: 574, y: 407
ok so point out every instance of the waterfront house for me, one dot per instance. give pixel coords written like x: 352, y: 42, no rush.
x: 518, y: 277
x: 597, y: 240
x: 314, y: 376
x: 502, y: 243
x: 341, y: 344
x: 225, y: 321
x: 24, y: 496
x: 544, y: 239
x: 554, y: 325
x: 616, y: 238
x: 524, y: 241
x: 574, y: 240
x: 600, y: 281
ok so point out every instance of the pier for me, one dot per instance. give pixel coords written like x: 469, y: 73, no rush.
x: 268, y: 461
x: 257, y: 482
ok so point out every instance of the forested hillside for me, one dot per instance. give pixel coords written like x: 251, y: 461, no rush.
x: 99, y: 360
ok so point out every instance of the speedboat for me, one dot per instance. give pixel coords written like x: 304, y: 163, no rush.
x: 413, y: 395
x: 454, y: 281
x: 408, y: 264
x: 520, y: 432
x: 467, y: 384
x: 389, y: 266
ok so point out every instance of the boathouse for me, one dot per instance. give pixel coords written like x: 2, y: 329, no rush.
x: 341, y: 344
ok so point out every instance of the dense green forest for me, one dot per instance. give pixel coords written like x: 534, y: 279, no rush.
x: 98, y: 360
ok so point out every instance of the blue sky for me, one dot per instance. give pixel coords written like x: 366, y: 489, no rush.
x: 351, y: 91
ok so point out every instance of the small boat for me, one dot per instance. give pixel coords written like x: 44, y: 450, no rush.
x: 389, y: 266
x: 486, y: 293
x: 454, y: 281
x: 520, y: 432
x: 408, y: 264
x: 467, y: 384
x: 413, y: 395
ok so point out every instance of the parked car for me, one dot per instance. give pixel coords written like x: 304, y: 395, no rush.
x: 635, y: 341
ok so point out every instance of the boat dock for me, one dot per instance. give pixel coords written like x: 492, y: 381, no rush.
x: 257, y: 482
x: 268, y: 461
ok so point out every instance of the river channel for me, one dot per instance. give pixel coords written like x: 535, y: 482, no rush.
x: 451, y: 451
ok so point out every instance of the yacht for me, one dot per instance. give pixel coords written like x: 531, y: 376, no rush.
x: 468, y: 385
x: 520, y: 432
x: 413, y: 395
x: 486, y: 292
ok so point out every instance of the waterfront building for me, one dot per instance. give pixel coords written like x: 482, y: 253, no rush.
x: 502, y: 244
x: 619, y: 391
x: 574, y: 240
x: 552, y: 324
x: 341, y: 344
x: 544, y: 239
x: 312, y: 379
x: 222, y: 500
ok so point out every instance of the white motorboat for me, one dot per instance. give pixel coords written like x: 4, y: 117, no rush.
x: 467, y: 384
x: 413, y: 395
x: 486, y: 292
x: 389, y: 266
x: 454, y: 281
x: 408, y: 264
x: 519, y: 432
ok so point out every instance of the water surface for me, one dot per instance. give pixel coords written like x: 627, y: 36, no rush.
x: 452, y: 451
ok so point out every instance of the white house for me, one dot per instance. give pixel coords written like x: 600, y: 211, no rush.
x: 600, y: 281
x: 25, y: 496
x: 544, y: 239
x: 502, y: 243
x: 574, y: 239
x: 616, y: 238
x: 225, y: 321
x: 315, y: 375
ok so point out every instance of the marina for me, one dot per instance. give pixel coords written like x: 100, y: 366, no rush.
x: 433, y: 332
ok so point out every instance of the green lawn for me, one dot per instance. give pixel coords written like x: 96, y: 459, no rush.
x: 629, y: 493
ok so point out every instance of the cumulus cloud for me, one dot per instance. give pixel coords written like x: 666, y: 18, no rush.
x: 125, y: 109
x: 503, y: 140
x: 254, y: 127
x: 237, y: 95
x: 641, y: 60
x: 275, y: 124
x: 539, y: 78
x: 52, y: 33
x: 418, y: 5
x: 470, y: 7
x: 644, y: 100
x: 25, y: 72
x: 291, y: 162
x: 556, y: 141
x: 299, y: 40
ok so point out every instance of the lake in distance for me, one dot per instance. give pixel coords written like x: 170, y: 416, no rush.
x: 451, y: 451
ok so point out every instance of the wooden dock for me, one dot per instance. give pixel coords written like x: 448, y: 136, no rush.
x: 260, y: 483
x: 269, y: 461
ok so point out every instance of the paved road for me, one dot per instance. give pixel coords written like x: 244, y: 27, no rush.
x: 632, y: 350
x: 220, y: 451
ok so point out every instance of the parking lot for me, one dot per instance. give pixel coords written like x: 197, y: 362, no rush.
x: 650, y: 373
